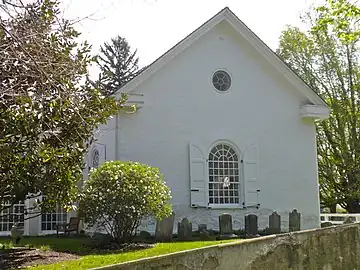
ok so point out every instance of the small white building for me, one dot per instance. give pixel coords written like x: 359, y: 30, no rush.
x: 231, y: 127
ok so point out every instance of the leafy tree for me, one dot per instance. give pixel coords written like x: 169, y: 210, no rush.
x: 118, y: 65
x: 327, y: 58
x: 47, y: 115
x: 118, y: 195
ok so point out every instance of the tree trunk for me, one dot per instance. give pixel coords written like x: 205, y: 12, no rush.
x: 333, y: 208
x: 353, y: 206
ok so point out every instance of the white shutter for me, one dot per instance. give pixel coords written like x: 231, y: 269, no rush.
x: 251, y: 175
x: 198, y: 190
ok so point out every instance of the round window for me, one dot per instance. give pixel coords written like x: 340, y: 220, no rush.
x: 221, y: 80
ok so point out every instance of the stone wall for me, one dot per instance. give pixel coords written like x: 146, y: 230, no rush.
x: 327, y: 248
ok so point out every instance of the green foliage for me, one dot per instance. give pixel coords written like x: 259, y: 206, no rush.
x: 45, y: 248
x: 327, y: 58
x: 341, y: 17
x: 47, y: 113
x: 118, y: 65
x: 118, y: 195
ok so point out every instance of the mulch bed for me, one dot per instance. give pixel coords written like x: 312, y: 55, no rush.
x: 24, y: 257
x: 21, y: 257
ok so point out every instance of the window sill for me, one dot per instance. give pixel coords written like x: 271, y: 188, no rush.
x: 225, y: 206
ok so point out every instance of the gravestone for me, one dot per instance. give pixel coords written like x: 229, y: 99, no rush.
x: 203, y: 232
x: 202, y: 227
x: 294, y: 221
x: 326, y: 224
x: 144, y: 234
x: 205, y: 235
x: 348, y: 220
x: 251, y: 225
x: 184, y: 230
x: 225, y: 225
x: 274, y: 223
x: 164, y: 229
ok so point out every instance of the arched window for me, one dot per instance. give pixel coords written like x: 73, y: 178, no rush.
x: 95, y: 158
x: 223, y: 175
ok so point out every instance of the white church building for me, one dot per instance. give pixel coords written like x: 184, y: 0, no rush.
x: 231, y: 127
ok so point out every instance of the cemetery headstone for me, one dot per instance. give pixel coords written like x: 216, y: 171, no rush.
x: 184, y: 230
x: 294, y: 221
x: 348, y: 220
x: 326, y: 224
x: 225, y: 225
x: 164, y: 229
x: 274, y: 223
x: 202, y: 227
x: 251, y: 225
x: 144, y: 234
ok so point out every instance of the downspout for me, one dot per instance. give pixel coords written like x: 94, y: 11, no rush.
x: 117, y: 136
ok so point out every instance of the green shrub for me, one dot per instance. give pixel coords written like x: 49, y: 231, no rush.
x: 45, y: 248
x: 118, y: 195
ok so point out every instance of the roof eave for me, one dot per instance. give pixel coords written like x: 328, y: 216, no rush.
x: 251, y: 37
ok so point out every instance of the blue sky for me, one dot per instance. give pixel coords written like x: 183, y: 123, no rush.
x: 154, y: 26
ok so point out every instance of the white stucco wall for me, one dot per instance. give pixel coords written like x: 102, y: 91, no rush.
x: 181, y: 106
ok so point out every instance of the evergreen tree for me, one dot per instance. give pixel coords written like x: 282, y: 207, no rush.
x: 118, y: 65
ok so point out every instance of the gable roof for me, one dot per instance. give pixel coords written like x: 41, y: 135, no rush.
x: 227, y: 15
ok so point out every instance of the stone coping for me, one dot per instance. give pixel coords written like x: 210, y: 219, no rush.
x: 240, y: 242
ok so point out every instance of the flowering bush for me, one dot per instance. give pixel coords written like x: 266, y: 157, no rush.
x: 118, y: 195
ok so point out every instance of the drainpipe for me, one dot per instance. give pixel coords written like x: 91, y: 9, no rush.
x: 117, y: 136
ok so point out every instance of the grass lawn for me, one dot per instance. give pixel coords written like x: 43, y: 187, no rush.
x: 88, y: 260
x: 61, y: 244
